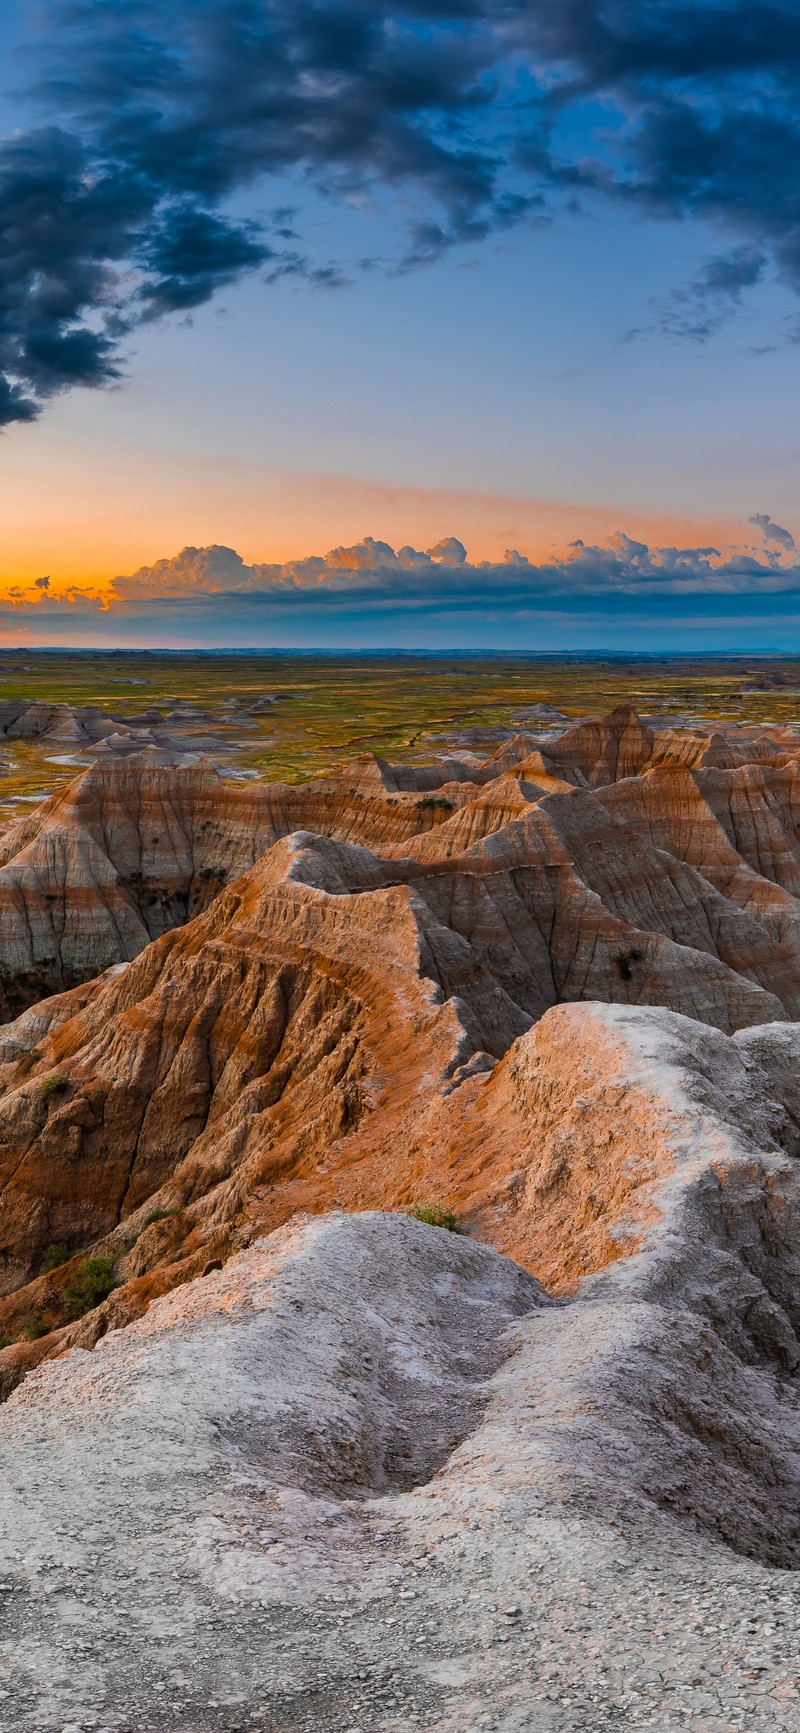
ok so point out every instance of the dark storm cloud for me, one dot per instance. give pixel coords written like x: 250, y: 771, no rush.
x: 708, y: 97
x: 190, y: 254
x: 165, y: 114
x: 60, y: 226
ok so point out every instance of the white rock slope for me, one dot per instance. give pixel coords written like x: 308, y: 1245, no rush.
x: 369, y: 1476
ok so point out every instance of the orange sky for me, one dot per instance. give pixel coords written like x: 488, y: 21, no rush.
x: 87, y: 517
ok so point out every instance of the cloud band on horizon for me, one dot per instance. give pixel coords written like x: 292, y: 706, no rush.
x: 622, y: 596
x: 373, y: 573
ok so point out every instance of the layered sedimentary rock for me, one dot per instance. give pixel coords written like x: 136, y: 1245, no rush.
x: 721, y: 821
x: 125, y: 852
x: 555, y: 992
x: 95, y: 735
x: 290, y: 1019
x: 601, y: 752
x: 60, y: 724
x: 131, y: 849
x: 136, y: 847
x: 283, y: 1049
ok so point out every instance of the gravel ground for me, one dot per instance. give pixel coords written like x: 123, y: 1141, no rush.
x: 596, y: 1643
x: 360, y: 1479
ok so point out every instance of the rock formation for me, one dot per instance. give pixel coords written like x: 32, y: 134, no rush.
x: 613, y: 811
x: 282, y: 1018
x: 87, y: 730
x: 369, y: 1469
x: 556, y: 992
x: 121, y: 855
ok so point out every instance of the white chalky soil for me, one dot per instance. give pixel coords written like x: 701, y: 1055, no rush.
x: 369, y: 1477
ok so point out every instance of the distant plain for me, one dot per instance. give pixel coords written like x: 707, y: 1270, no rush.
x: 329, y: 709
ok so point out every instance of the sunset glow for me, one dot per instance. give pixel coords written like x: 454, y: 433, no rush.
x: 281, y: 360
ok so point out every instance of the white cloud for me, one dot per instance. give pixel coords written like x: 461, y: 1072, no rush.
x: 372, y: 571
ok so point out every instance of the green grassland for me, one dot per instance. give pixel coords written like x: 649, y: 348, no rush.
x: 331, y: 708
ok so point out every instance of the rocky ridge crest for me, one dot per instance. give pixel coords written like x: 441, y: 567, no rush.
x: 312, y: 994
x: 370, y: 1467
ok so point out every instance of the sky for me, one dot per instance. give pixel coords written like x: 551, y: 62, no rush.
x: 465, y: 324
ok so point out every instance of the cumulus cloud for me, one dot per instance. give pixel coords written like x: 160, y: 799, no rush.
x: 125, y: 204
x: 373, y: 594
x: 373, y: 575
x: 221, y: 571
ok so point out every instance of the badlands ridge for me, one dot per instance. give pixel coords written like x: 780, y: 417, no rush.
x: 313, y: 1463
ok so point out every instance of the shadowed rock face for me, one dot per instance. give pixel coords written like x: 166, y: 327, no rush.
x: 126, y: 852
x: 295, y: 1020
x: 134, y: 848
x: 601, y: 752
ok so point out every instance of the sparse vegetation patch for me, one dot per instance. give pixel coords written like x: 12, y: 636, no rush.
x: 36, y: 1327
x: 53, y: 1085
x: 92, y: 1283
x: 437, y: 1215
x: 56, y: 1255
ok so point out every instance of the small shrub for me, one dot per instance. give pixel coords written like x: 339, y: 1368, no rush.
x: 158, y: 1215
x: 55, y: 1255
x: 92, y: 1283
x: 37, y: 1327
x: 52, y: 1085
x: 6, y: 1342
x: 129, y: 1243
x: 437, y: 1215
x: 28, y: 1059
x: 439, y: 801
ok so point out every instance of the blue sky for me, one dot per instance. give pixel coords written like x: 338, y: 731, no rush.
x: 500, y: 317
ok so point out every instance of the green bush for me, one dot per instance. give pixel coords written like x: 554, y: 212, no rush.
x: 92, y: 1283
x: 6, y: 1342
x: 437, y: 1215
x: 52, y: 1085
x: 55, y: 1255
x: 37, y: 1327
x: 157, y: 1215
